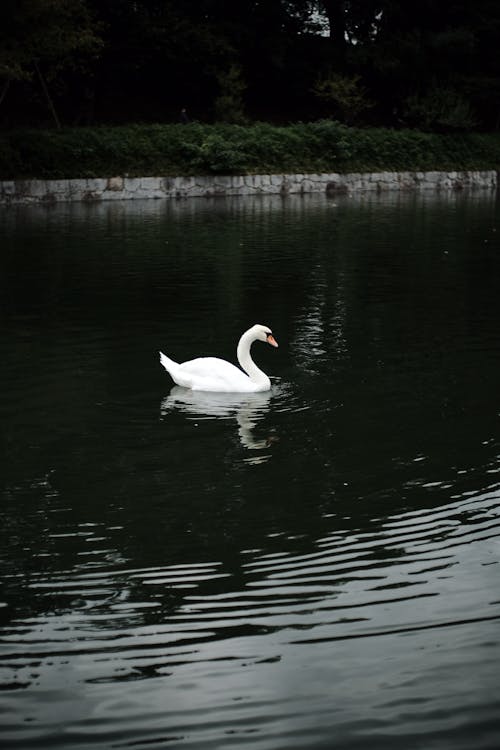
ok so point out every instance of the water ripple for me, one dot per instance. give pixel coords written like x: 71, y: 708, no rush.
x: 404, y: 577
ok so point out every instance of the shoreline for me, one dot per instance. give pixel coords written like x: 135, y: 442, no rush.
x: 95, y: 190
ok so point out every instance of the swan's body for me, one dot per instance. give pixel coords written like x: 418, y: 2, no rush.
x: 214, y: 374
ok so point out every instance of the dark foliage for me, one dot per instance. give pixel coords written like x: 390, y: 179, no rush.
x: 431, y: 65
x: 322, y: 146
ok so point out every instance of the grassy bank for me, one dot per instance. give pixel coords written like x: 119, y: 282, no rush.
x: 323, y: 146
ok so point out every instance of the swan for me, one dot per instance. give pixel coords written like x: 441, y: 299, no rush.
x: 214, y: 374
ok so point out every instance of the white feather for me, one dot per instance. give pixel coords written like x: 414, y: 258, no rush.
x: 214, y: 374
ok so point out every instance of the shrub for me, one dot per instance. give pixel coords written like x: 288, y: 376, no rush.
x: 218, y: 154
x: 229, y: 104
x: 345, y: 93
x: 175, y: 149
x: 440, y: 109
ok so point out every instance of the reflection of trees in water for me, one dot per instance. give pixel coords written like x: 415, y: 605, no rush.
x: 320, y: 324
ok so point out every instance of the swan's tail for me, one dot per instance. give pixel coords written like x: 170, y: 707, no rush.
x: 174, y: 369
x: 168, y: 363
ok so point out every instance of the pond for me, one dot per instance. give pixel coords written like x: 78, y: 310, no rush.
x: 315, y: 566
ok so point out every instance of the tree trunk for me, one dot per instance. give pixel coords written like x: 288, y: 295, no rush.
x: 47, y: 95
x: 335, y: 12
x: 4, y: 91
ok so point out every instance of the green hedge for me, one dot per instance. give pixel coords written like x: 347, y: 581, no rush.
x: 323, y: 146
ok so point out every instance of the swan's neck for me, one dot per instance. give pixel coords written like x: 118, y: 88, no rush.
x: 243, y: 353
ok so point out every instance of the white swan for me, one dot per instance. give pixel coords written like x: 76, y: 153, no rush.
x: 214, y: 374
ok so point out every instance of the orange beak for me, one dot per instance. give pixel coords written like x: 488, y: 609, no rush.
x: 271, y: 340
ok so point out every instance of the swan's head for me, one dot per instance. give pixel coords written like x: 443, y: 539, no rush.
x: 263, y: 333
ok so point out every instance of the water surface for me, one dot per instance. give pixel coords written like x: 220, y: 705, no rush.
x: 313, y: 567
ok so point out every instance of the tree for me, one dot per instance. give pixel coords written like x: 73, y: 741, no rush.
x: 346, y: 95
x: 40, y: 39
x: 278, y: 60
x: 229, y: 104
x: 422, y: 48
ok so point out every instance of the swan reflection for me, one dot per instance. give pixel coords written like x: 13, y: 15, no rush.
x: 247, y: 408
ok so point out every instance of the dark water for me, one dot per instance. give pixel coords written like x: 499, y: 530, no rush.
x: 315, y: 567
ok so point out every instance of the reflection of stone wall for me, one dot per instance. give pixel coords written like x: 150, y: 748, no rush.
x: 125, y: 188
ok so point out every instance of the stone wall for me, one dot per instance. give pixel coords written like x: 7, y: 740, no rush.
x: 125, y: 188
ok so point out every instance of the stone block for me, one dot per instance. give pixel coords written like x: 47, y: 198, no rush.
x: 150, y: 186
x: 76, y: 188
x: 131, y: 186
x: 337, y: 185
x: 33, y: 188
x: 237, y: 182
x: 115, y: 184
x: 8, y: 187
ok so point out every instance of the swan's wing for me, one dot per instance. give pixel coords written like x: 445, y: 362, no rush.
x: 214, y: 374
